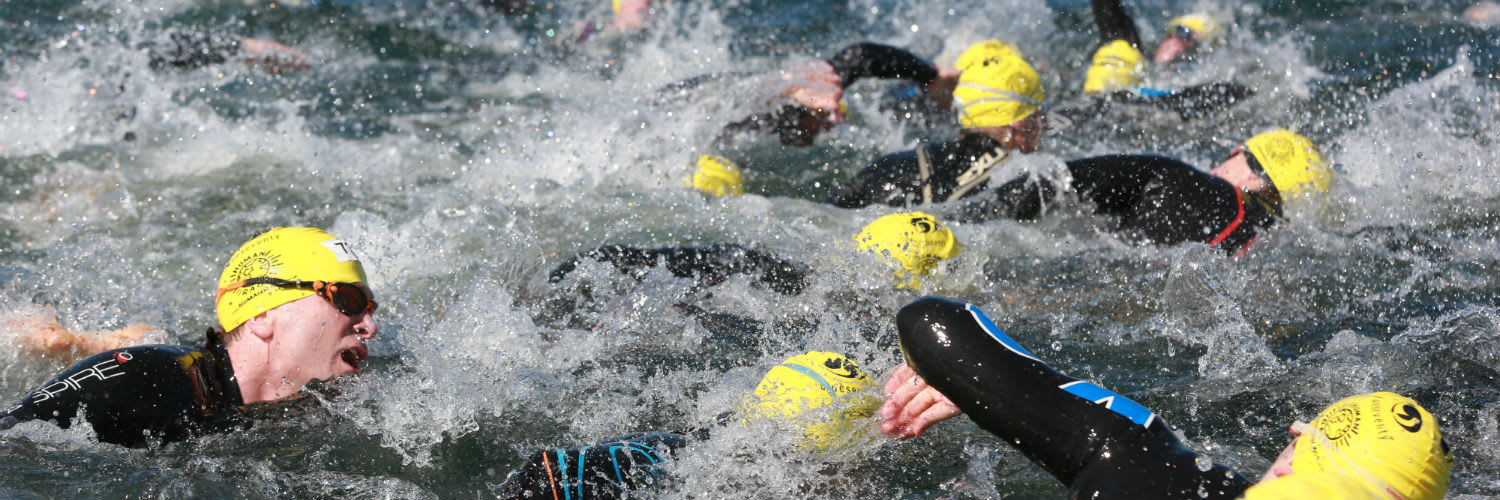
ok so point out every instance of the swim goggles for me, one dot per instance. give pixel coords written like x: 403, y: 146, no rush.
x: 348, y: 298
x: 1258, y: 169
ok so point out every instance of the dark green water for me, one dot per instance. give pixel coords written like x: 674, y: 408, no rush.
x: 465, y: 153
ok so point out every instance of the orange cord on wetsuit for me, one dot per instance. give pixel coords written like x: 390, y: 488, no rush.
x: 1235, y: 224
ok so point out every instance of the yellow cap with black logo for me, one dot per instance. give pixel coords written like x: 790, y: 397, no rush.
x: 983, y: 51
x: 1386, y: 440
x: 1116, y: 65
x: 997, y: 89
x: 791, y: 391
x: 1291, y: 161
x: 288, y: 253
x: 1204, y: 27
x: 915, y: 239
x: 718, y: 176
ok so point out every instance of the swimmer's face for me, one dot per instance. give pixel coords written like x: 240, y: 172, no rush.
x: 312, y: 340
x: 1236, y: 169
x: 1029, y: 132
x: 1180, y: 45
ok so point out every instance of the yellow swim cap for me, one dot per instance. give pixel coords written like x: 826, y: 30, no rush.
x: 1306, y: 485
x: 1204, y: 27
x: 614, y: 5
x: 812, y: 381
x: 915, y: 239
x: 1384, y: 439
x: 982, y: 52
x: 997, y: 90
x: 1116, y: 66
x: 718, y: 176
x: 1291, y: 161
x: 289, y: 253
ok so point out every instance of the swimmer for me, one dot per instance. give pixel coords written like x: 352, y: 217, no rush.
x: 293, y: 306
x: 815, y: 394
x: 915, y: 240
x: 1380, y: 445
x: 999, y: 96
x: 1117, y: 67
x: 1158, y: 200
x: 912, y: 244
x: 1163, y: 201
x: 189, y: 50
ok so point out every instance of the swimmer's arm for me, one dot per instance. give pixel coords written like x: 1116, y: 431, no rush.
x: 1114, y: 22
x: 912, y: 406
x: 41, y: 335
x: 1197, y: 101
x: 888, y: 179
x: 873, y: 60
x: 272, y: 57
x: 1021, y: 198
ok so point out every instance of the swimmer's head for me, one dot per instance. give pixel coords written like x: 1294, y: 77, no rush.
x: 1320, y: 485
x: 915, y: 239
x: 286, y: 253
x: 1116, y: 65
x: 718, y: 176
x: 982, y: 52
x: 1385, y: 440
x: 815, y: 393
x: 1186, y: 35
x: 997, y: 90
x: 1290, y: 161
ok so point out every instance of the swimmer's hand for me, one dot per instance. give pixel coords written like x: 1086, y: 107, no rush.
x: 911, y: 406
x: 273, y: 58
x: 813, y: 85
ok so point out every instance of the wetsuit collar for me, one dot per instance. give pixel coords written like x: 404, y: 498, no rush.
x: 224, y: 370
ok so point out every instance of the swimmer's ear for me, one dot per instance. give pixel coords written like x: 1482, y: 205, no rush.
x: 260, y: 327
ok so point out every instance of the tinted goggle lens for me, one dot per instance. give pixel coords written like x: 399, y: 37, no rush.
x: 348, y: 298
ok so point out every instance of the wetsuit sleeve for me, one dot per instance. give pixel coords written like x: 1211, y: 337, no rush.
x: 873, y: 60
x: 892, y: 179
x: 188, y: 49
x: 1189, y: 103
x: 1102, y: 445
x: 709, y: 265
x: 601, y: 471
x: 132, y: 396
x: 1114, y: 22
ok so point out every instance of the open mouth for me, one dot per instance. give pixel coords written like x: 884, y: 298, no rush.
x: 353, y: 357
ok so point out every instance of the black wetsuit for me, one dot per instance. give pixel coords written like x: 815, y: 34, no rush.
x: 598, y: 472
x: 1100, y: 444
x: 710, y: 265
x: 1158, y: 200
x: 139, y: 395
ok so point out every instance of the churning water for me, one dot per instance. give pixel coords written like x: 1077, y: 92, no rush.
x: 464, y: 153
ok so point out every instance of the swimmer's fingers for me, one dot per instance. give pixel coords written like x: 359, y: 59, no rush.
x: 927, y: 408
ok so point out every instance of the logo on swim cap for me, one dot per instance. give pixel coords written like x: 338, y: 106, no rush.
x: 1408, y: 417
x: 842, y: 367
